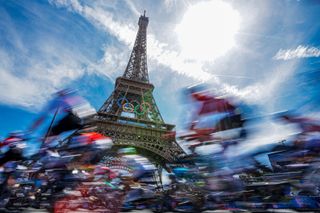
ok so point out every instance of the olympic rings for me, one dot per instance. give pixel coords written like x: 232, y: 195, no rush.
x: 127, y: 107
x: 146, y: 103
x: 134, y: 106
x: 136, y: 110
x: 120, y: 100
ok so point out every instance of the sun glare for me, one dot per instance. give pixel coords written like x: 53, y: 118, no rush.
x: 207, y: 30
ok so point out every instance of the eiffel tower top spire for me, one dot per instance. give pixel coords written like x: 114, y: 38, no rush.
x: 137, y: 68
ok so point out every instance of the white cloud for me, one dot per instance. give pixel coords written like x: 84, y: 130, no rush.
x: 132, y: 7
x: 59, y: 64
x: 266, y: 132
x: 169, y: 4
x: 126, y: 32
x: 160, y: 53
x: 102, y: 18
x: 34, y: 85
x: 31, y: 72
x: 112, y: 61
x: 202, y: 34
x: 29, y: 78
x: 263, y: 93
x: 299, y: 52
x: 17, y: 90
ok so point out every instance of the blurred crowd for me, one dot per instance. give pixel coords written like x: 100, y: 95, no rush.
x: 73, y: 166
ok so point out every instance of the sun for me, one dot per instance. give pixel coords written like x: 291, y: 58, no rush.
x: 207, y: 30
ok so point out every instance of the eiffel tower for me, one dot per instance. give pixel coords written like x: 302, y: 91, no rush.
x: 130, y: 115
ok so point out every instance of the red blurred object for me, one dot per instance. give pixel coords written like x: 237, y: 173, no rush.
x: 9, y: 140
x: 306, y: 124
x: 170, y: 135
x: 211, y: 104
x: 102, y: 170
x: 93, y: 136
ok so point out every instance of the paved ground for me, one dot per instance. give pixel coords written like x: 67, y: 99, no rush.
x: 32, y: 210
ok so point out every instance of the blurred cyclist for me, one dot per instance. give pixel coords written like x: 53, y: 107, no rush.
x: 69, y: 110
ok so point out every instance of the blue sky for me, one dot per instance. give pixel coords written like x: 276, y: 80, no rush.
x: 272, y: 65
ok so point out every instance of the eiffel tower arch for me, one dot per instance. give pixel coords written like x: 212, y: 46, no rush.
x: 130, y: 115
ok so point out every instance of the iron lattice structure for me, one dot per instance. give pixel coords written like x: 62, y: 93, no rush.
x: 130, y: 115
x: 137, y: 68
